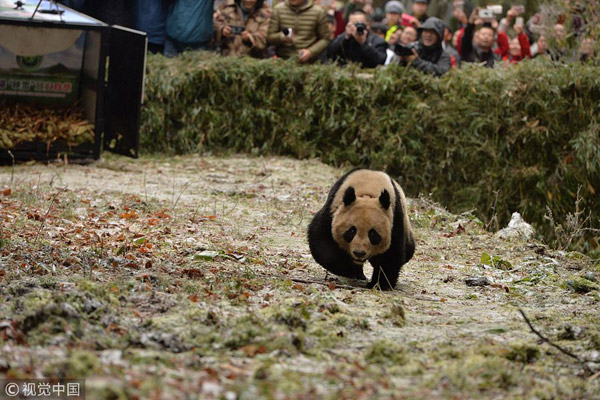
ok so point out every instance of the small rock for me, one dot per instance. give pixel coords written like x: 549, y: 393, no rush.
x: 590, y: 276
x: 517, y: 229
x: 91, y: 305
x: 230, y: 396
x: 477, y: 281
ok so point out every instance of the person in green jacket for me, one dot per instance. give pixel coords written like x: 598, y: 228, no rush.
x: 189, y: 26
x: 298, y: 28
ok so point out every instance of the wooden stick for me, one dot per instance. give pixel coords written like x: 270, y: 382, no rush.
x: 545, y: 339
x: 325, y: 283
x: 355, y: 288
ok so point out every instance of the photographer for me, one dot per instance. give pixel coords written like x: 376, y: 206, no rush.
x: 298, y: 28
x: 427, y: 53
x: 241, y: 27
x: 358, y: 44
x: 480, y: 50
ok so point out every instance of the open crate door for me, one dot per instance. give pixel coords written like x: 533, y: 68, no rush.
x: 126, y: 69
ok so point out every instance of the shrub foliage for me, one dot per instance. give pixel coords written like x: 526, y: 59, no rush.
x: 523, y: 138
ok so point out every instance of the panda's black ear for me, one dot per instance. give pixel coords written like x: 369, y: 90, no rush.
x: 349, y: 196
x: 384, y: 199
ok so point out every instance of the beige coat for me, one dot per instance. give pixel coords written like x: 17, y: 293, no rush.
x: 256, y: 24
x: 309, y: 29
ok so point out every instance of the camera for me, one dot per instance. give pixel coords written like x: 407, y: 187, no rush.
x: 287, y: 32
x: 236, y: 30
x: 407, y: 50
x: 360, y: 28
x: 496, y: 9
x: 486, y: 14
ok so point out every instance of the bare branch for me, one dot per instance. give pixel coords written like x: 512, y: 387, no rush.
x: 561, y: 349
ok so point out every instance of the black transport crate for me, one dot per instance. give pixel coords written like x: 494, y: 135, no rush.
x: 102, y: 70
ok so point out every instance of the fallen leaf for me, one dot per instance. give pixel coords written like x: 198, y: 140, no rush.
x: 9, y: 330
x: 500, y: 286
x: 129, y: 215
x: 162, y: 214
x: 460, y: 229
x: 193, y: 273
x: 251, y: 350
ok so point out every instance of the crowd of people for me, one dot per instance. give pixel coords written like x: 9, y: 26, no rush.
x: 329, y: 31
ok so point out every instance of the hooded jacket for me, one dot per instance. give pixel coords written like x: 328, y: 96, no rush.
x: 309, y: 29
x: 370, y: 54
x: 256, y: 23
x: 432, y: 59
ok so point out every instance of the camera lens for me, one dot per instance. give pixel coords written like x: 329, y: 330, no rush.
x: 360, y: 28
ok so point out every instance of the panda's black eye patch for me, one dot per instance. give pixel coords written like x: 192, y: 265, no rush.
x: 349, y: 234
x: 374, y: 237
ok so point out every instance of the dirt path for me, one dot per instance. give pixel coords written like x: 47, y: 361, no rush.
x: 185, y: 277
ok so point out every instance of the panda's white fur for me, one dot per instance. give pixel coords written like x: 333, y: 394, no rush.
x: 364, y: 218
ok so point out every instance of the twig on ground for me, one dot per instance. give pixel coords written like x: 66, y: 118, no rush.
x: 551, y: 343
x: 185, y: 186
x: 307, y: 281
x: 46, y: 215
x: 325, y: 283
x: 12, y: 170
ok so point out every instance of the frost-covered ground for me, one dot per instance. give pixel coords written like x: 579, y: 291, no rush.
x: 191, y: 278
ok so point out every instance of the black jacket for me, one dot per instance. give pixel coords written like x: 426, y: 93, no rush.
x: 371, y: 54
x: 432, y: 59
x: 473, y: 54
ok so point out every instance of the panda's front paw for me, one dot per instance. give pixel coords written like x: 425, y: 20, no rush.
x: 359, y: 277
x: 381, y: 285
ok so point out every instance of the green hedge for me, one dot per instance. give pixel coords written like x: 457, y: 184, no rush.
x: 502, y: 140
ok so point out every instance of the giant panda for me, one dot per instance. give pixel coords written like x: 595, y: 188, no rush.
x: 364, y: 219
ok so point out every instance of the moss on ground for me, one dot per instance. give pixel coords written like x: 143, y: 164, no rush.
x: 197, y: 281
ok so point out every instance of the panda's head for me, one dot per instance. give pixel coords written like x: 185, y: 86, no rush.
x: 363, y: 226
